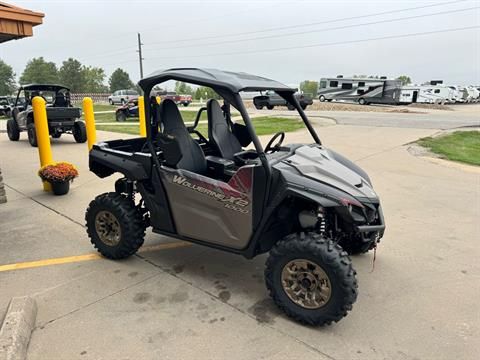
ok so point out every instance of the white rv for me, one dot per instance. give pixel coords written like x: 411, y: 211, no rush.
x: 456, y: 94
x: 472, y: 94
x: 409, y: 94
x: 434, y: 94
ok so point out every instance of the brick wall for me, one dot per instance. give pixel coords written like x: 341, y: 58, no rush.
x: 3, y: 196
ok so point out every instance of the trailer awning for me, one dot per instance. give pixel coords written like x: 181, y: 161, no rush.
x: 17, y: 23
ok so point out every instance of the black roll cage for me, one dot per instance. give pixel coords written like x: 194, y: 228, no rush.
x: 233, y: 98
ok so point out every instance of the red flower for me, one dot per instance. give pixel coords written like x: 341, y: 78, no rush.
x: 59, y: 172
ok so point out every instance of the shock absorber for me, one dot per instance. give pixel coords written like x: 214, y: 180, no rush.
x: 322, y: 227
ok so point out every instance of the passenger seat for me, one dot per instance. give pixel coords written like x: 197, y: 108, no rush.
x: 193, y: 158
x: 219, y: 133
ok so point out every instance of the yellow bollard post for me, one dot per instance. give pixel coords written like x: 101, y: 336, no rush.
x: 141, y: 116
x: 43, y: 136
x: 89, y: 122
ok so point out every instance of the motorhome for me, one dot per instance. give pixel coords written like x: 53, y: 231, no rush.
x: 361, y: 90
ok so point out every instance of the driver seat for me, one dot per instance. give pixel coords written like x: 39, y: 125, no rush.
x: 60, y: 100
x: 193, y: 158
x: 219, y: 133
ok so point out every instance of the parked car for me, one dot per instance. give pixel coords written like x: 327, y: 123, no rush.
x: 184, y: 100
x: 122, y: 97
x: 6, y: 105
x: 62, y: 117
x: 130, y: 109
x: 270, y: 99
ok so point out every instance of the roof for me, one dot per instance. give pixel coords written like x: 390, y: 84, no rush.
x: 16, y: 23
x: 232, y: 81
x: 44, y: 87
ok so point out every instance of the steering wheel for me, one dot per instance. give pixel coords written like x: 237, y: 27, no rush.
x: 269, y: 148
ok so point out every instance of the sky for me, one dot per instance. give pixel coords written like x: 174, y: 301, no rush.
x: 289, y: 41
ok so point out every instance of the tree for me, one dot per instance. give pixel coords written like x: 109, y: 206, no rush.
x: 120, y: 80
x: 182, y: 88
x: 404, y: 79
x: 7, y: 79
x: 204, y: 93
x: 72, y: 75
x: 309, y: 87
x: 94, y: 78
x: 39, y: 71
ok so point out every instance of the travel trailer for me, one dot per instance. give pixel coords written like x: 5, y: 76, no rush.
x: 363, y: 91
x: 409, y: 94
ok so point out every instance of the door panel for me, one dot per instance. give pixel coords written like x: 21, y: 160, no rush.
x: 210, y: 210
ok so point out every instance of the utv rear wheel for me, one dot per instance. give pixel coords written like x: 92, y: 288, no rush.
x: 32, y: 135
x: 311, y: 279
x: 79, y: 132
x: 12, y: 130
x: 120, y: 116
x: 259, y: 107
x: 115, y: 226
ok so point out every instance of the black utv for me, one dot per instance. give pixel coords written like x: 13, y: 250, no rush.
x: 305, y: 204
x: 61, y: 115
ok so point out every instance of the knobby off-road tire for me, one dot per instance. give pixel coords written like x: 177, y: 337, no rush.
x: 120, y: 116
x: 32, y: 135
x: 12, y: 130
x: 79, y: 132
x: 325, y: 257
x: 127, y: 227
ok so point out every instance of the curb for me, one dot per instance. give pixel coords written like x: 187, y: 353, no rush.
x: 17, y: 327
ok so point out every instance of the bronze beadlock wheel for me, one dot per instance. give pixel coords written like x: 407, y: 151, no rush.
x: 311, y: 278
x: 115, y: 226
x: 108, y: 228
x: 306, y: 284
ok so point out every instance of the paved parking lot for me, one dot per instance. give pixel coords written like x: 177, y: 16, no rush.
x: 180, y: 301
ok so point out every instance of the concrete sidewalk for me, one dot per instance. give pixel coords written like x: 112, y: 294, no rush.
x: 191, y: 302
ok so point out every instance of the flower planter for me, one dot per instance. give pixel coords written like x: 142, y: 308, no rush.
x: 60, y: 188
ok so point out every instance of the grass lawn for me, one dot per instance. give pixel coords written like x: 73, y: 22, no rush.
x: 264, y: 125
x: 463, y: 146
x: 188, y: 116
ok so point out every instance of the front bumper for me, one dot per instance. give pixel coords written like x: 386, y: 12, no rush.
x: 377, y: 229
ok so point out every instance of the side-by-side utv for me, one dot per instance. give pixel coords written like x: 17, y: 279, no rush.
x: 62, y: 116
x: 305, y: 204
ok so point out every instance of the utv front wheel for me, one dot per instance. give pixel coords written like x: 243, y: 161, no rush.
x: 115, y: 227
x: 311, y: 279
x: 32, y: 135
x: 79, y: 132
x: 12, y: 130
